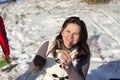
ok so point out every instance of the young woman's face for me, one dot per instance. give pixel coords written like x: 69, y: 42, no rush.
x: 70, y: 35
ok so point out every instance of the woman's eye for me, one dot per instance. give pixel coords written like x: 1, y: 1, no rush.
x: 68, y: 31
x: 76, y: 33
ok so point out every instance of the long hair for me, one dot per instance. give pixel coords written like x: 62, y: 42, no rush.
x: 83, y: 48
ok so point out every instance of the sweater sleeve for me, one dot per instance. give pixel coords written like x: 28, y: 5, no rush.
x: 40, y: 58
x: 79, y: 71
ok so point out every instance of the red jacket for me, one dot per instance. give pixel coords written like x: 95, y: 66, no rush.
x: 3, y: 38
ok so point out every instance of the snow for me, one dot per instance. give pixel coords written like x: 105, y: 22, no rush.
x: 30, y: 22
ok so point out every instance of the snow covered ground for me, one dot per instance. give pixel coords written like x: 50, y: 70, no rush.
x: 30, y: 22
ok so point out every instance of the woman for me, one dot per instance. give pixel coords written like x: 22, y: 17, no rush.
x: 65, y: 58
x: 4, y: 41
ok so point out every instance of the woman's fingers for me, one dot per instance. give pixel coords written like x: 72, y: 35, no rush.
x: 65, y: 58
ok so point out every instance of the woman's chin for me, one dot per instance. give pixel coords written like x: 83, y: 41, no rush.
x: 68, y: 47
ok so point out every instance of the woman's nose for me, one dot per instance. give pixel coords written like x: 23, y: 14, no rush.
x: 71, y: 36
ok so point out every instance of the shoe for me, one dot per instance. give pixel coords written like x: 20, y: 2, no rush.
x: 2, y: 58
x: 3, y: 61
x: 9, y: 60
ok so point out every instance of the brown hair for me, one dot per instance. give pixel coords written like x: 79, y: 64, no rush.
x: 83, y: 48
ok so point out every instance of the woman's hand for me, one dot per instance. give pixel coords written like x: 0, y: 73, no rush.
x: 65, y: 58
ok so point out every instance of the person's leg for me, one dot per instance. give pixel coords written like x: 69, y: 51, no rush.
x: 4, y: 41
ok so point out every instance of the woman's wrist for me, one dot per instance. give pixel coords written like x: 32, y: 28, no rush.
x: 69, y: 66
